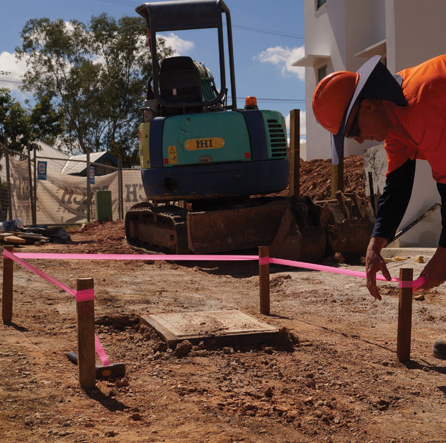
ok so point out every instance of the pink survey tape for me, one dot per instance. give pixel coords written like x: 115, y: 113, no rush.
x: 51, y: 256
x: 89, y: 293
x: 100, y: 351
x: 84, y: 295
x: 297, y: 264
x: 262, y: 261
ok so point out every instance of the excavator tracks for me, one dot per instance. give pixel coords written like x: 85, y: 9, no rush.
x: 232, y: 227
x: 157, y: 228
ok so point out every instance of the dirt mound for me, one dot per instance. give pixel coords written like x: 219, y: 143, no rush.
x: 315, y: 177
x: 100, y: 237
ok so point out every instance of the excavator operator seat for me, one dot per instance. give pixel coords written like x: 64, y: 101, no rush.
x: 180, y: 82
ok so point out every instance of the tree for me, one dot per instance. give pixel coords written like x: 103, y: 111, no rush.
x: 21, y: 127
x: 97, y: 73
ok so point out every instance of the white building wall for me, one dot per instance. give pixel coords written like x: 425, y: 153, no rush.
x: 416, y: 31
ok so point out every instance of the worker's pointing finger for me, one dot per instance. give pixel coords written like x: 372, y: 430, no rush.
x: 371, y: 286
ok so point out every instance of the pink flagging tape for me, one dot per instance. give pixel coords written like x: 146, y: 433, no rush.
x: 53, y: 256
x: 84, y: 295
x: 418, y: 282
x: 349, y: 272
x: 38, y: 272
x: 412, y: 284
x: 406, y: 284
x: 88, y: 294
x: 415, y: 284
x: 100, y: 351
x: 262, y: 261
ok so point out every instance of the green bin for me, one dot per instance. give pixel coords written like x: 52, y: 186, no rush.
x: 104, y: 206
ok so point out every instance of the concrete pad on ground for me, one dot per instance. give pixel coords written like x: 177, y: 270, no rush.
x: 407, y: 252
x: 225, y: 327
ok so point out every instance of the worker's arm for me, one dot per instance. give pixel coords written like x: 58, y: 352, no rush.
x: 391, y: 208
x: 435, y: 270
x: 394, y: 200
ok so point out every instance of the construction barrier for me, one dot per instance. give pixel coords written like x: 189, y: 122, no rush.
x: 88, y: 342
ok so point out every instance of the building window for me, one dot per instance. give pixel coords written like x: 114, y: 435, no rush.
x: 322, y: 72
x: 320, y: 3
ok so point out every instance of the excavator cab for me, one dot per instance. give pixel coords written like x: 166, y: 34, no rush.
x: 180, y: 82
x: 179, y: 71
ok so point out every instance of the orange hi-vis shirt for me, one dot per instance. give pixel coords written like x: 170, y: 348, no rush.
x: 419, y: 129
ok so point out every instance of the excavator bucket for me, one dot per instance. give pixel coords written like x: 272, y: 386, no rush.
x: 291, y: 227
x: 301, y: 235
x: 235, y: 229
x: 349, y: 225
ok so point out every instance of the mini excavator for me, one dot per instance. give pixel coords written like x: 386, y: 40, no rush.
x: 210, y: 170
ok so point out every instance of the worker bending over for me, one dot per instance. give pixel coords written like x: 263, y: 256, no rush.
x: 408, y: 112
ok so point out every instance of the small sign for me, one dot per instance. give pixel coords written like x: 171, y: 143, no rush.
x: 41, y: 170
x: 172, y: 151
x: 198, y: 144
x: 91, y: 175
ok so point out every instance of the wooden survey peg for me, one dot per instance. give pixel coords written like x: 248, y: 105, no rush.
x: 295, y: 153
x: 404, y: 315
x: 86, y: 337
x: 264, y: 281
x: 8, y: 279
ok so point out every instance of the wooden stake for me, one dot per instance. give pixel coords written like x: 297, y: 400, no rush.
x: 404, y: 315
x: 85, y: 338
x: 337, y: 178
x: 264, y: 282
x: 295, y: 152
x: 8, y: 280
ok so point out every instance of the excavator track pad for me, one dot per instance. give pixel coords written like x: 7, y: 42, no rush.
x: 157, y: 228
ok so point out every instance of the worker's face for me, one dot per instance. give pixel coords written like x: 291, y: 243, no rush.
x: 368, y: 121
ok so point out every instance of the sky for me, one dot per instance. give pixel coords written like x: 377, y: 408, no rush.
x: 268, y: 36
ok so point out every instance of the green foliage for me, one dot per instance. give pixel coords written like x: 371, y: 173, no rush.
x: 96, y: 73
x: 20, y: 127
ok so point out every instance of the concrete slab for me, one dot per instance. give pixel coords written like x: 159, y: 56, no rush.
x: 225, y: 327
x: 407, y: 252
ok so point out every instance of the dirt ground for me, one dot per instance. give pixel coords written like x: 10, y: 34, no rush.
x: 333, y: 378
x: 337, y: 380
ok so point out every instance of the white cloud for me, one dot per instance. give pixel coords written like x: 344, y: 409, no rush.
x: 69, y: 26
x: 181, y: 47
x: 12, y: 71
x: 284, y: 59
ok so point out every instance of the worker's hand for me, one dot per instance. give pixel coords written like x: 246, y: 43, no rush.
x: 375, y: 263
x: 435, y: 270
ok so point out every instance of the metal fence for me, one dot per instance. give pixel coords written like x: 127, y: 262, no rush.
x: 33, y: 189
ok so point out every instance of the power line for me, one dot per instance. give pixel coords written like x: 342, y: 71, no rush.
x: 268, y: 31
